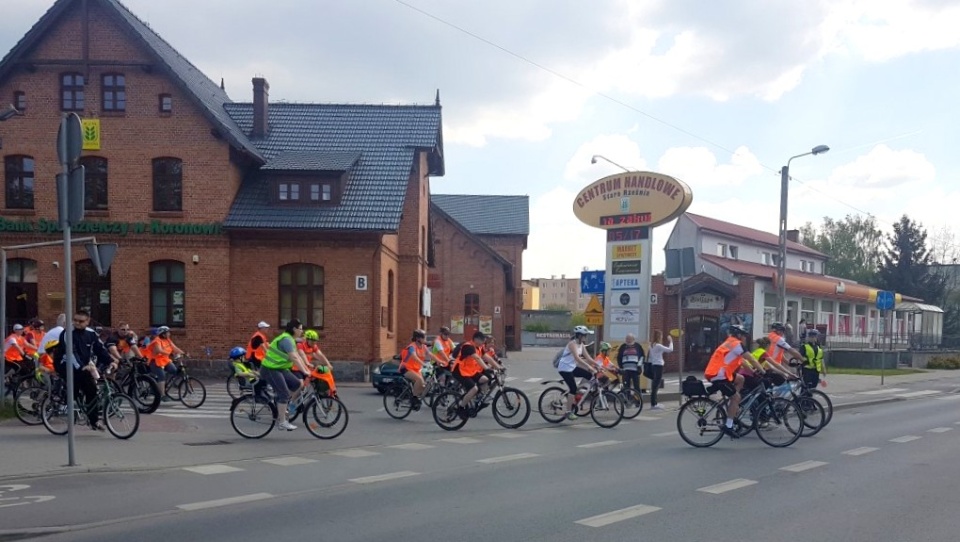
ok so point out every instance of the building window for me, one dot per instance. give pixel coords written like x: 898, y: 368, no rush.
x: 390, y: 302
x: 807, y: 309
x: 843, y: 322
x: 734, y: 252
x: 765, y: 258
x: 95, y: 183
x: 20, y: 100
x: 93, y: 293
x: 321, y: 192
x: 166, y: 103
x: 167, y: 184
x: 301, y: 294
x: 19, y: 181
x: 114, y: 92
x: 288, y: 191
x: 71, y: 92
x: 721, y: 250
x: 167, y: 293
x: 22, y: 278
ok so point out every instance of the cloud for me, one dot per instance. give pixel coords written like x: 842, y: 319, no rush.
x: 698, y: 167
x: 616, y: 147
x: 883, y: 168
x: 559, y: 243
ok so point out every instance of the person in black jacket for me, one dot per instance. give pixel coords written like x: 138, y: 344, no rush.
x: 90, y: 355
x: 629, y: 357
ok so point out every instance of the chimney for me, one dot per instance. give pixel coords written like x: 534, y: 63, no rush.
x: 792, y: 235
x: 261, y: 107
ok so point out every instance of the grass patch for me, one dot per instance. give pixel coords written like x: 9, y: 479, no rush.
x: 870, y: 372
x: 6, y: 410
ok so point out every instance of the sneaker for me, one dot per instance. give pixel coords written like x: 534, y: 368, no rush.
x: 571, y: 415
x: 97, y: 426
x: 415, y: 404
x: 656, y: 407
x: 463, y: 412
x: 731, y: 432
x: 165, y: 399
x: 287, y: 425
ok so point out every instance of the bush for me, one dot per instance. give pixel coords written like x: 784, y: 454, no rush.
x: 943, y: 362
x: 537, y: 327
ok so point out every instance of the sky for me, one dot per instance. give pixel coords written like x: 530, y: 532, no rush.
x: 717, y: 94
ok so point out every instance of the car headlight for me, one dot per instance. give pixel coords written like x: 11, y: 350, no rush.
x: 376, y: 370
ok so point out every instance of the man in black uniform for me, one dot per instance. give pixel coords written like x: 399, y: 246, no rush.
x: 87, y: 347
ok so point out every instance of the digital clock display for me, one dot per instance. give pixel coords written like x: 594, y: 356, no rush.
x: 625, y: 220
x: 628, y: 234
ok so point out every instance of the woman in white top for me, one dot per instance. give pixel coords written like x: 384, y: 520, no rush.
x: 656, y: 365
x: 575, y: 363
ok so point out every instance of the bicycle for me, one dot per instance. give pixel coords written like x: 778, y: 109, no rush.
x: 254, y: 414
x: 758, y: 411
x: 815, y: 393
x: 814, y: 414
x: 398, y: 400
x: 29, y: 395
x: 132, y: 379
x: 511, y: 407
x: 119, y: 411
x: 632, y: 399
x: 600, y: 402
x: 184, y: 388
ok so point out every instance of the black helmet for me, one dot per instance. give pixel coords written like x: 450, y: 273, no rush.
x: 777, y: 326
x: 419, y: 334
x: 737, y: 329
x: 444, y: 330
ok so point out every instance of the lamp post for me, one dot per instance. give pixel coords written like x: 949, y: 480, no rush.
x: 782, y: 256
x: 593, y: 160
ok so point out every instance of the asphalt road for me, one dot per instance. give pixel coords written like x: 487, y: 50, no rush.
x: 880, y: 473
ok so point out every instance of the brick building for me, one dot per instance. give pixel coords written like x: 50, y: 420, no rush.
x: 228, y: 213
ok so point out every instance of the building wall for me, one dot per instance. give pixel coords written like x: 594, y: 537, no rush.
x: 511, y: 247
x: 412, y: 255
x: 531, y: 296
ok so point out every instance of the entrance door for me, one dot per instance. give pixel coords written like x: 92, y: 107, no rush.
x: 93, y: 293
x: 21, y: 292
x: 700, y: 340
x: 471, y: 315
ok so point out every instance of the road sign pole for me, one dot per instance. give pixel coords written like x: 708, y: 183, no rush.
x: 680, y: 327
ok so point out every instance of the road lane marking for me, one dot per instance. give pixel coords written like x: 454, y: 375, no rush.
x: 881, y: 391
x: 212, y: 469
x: 383, y: 477
x: 505, y: 458
x: 583, y: 426
x: 861, y: 451
x: 647, y: 418
x: 533, y: 380
x: 462, y: 440
x: 723, y: 487
x: 806, y: 465
x: 939, y: 430
x: 907, y: 438
x: 617, y: 515
x: 507, y: 434
x: 289, y: 461
x: 549, y: 431
x: 599, y: 444
x: 951, y: 397
x: 354, y: 452
x: 665, y: 434
x: 411, y: 446
x: 511, y: 378
x: 920, y: 393
x: 224, y: 502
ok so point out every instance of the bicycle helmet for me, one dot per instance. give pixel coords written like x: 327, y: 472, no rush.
x: 238, y: 352
x: 419, y: 334
x: 162, y: 329
x: 736, y: 329
x: 311, y: 335
x: 812, y: 333
x: 444, y: 330
x: 582, y: 330
x: 604, y: 346
x: 777, y: 326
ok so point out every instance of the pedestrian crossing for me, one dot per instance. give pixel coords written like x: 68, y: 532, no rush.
x: 216, y: 406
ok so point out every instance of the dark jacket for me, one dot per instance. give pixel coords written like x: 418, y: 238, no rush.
x: 86, y: 346
x: 640, y: 354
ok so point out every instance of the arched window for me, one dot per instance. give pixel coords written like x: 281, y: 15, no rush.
x: 19, y: 181
x: 391, y: 306
x: 93, y: 293
x: 21, y: 292
x: 301, y: 294
x: 95, y: 183
x: 167, y: 293
x: 167, y: 184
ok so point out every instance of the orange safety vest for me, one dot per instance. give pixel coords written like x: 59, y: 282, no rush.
x: 259, y: 352
x: 11, y: 353
x: 33, y: 344
x: 775, y: 352
x: 409, y: 361
x: 161, y: 350
x: 468, y: 366
x: 306, y: 349
x: 725, y: 356
x: 604, y: 360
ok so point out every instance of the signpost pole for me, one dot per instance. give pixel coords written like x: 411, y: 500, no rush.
x: 680, y: 326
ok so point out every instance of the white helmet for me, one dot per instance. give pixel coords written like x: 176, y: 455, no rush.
x: 582, y: 330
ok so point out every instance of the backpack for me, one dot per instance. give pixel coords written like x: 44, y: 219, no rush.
x: 456, y: 352
x: 556, y: 358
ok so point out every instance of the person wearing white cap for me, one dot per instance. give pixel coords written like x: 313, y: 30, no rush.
x: 257, y: 346
x: 14, y: 350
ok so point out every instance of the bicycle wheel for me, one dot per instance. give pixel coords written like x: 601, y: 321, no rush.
x: 172, y: 389
x: 606, y: 409
x: 553, y: 404
x: 121, y: 416
x: 445, y: 411
x: 233, y: 386
x: 700, y: 422
x: 325, y: 417
x: 814, y: 416
x: 26, y: 404
x: 779, y: 422
x: 192, y: 392
x: 632, y: 403
x: 398, y: 401
x: 145, y: 393
x: 826, y: 403
x: 253, y: 417
x: 53, y: 413
x: 511, y: 408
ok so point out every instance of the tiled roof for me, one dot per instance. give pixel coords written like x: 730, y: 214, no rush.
x: 740, y: 267
x: 749, y: 234
x: 385, y: 136
x: 487, y: 215
x: 311, y: 161
x: 207, y: 94
x: 472, y: 236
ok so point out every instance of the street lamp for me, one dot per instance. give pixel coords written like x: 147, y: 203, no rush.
x: 9, y: 113
x: 782, y: 256
x: 593, y: 160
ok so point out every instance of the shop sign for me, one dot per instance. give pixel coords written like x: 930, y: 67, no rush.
x: 154, y: 227
x: 625, y: 316
x: 626, y: 283
x: 703, y: 302
x: 634, y: 198
x: 627, y: 252
x: 90, y: 131
x: 626, y: 267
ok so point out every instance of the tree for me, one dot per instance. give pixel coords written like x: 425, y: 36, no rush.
x: 944, y: 247
x: 853, y: 245
x: 906, y: 264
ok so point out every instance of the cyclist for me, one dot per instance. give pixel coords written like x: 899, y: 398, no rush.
x: 412, y: 358
x: 779, y: 345
x: 813, y: 366
x: 576, y: 363
x: 722, y: 371
x: 316, y: 358
x: 257, y: 346
x: 161, y: 349
x: 443, y: 354
x: 86, y: 347
x: 281, y: 355
x: 48, y: 343
x: 15, y: 349
x: 126, y: 341
x: 468, y: 370
x: 33, y: 334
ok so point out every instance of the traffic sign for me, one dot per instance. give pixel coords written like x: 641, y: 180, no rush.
x: 885, y: 300
x: 594, y: 311
x: 101, y: 255
x: 592, y: 282
x: 69, y: 140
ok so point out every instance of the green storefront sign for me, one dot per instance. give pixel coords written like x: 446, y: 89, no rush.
x: 154, y: 227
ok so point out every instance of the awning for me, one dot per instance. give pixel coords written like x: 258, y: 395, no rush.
x: 910, y: 306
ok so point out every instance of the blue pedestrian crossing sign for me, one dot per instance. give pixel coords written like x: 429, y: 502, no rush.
x: 885, y: 300
x: 592, y: 282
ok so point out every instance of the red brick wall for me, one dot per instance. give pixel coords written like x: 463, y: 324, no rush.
x: 412, y: 257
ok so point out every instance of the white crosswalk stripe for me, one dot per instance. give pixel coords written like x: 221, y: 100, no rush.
x: 216, y: 406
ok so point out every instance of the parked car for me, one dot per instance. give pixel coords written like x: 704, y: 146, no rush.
x: 385, y: 374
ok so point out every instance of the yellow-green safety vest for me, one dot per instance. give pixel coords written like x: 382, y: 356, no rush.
x: 275, y: 358
x: 813, y: 357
